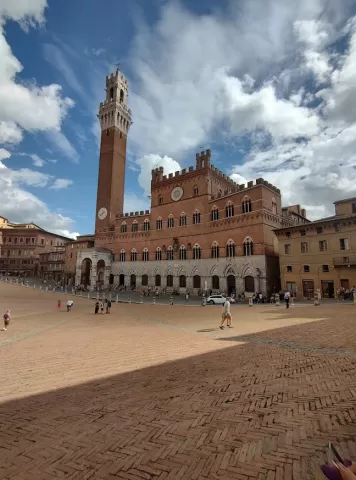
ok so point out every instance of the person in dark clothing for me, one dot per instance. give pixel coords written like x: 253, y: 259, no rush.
x: 96, y: 308
x: 108, y: 306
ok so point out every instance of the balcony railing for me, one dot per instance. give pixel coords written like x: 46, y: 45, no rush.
x: 346, y: 260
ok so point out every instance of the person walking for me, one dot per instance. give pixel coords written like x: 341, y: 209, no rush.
x: 96, y: 311
x: 287, y: 298
x: 108, y: 306
x: 226, y: 315
x: 59, y: 305
x: 69, y: 305
x: 7, y: 318
x: 102, y: 307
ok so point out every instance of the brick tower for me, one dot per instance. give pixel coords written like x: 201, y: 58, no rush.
x: 115, y: 121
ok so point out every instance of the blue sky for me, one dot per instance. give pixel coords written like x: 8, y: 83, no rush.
x: 270, y: 87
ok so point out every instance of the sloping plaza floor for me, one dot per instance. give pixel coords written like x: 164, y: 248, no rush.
x: 158, y: 392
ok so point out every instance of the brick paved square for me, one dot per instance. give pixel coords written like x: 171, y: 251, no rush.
x: 159, y: 392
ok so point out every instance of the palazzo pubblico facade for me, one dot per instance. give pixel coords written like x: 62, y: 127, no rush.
x: 203, y: 231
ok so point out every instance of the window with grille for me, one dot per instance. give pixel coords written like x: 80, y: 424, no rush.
x: 304, y: 247
x: 230, y: 249
x: 196, y: 218
x: 287, y: 248
x: 246, y: 206
x: 196, y: 252
x: 182, y: 220
x: 215, y: 251
x: 248, y: 248
x: 229, y: 210
x: 215, y: 214
x: 323, y: 246
x: 182, y: 253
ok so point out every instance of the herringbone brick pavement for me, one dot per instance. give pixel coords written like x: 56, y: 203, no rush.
x: 161, y: 401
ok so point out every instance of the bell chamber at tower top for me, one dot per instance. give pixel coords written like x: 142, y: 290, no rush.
x: 113, y: 112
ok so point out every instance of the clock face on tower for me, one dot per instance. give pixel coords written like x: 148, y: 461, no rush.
x: 102, y: 213
x: 177, y: 193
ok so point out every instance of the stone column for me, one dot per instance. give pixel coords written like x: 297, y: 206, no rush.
x: 93, y: 276
x: 107, y: 272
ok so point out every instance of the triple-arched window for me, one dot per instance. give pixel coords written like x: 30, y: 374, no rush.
x: 215, y: 250
x: 229, y: 210
x: 248, y: 247
x: 196, y: 252
x: 230, y: 249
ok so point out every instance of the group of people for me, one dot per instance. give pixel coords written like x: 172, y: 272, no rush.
x: 101, y: 306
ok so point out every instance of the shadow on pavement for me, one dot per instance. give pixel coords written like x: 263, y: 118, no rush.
x: 245, y: 410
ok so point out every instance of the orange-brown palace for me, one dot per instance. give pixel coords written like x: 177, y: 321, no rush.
x: 203, y: 230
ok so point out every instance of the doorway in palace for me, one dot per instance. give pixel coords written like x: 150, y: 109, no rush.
x: 231, y: 284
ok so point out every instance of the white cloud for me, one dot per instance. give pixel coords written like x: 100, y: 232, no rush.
x: 61, y: 183
x: 148, y: 162
x: 19, y: 205
x: 265, y: 75
x: 36, y: 160
x: 25, y: 107
x: 4, y: 154
x: 10, y: 133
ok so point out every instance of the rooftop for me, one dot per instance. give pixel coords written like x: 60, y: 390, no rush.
x: 346, y: 200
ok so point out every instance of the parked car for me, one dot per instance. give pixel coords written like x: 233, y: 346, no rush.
x: 217, y: 300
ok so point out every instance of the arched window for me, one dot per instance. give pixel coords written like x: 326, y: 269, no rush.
x: 144, y: 281
x: 196, y: 217
x: 246, y: 205
x: 195, y: 191
x: 122, y: 255
x: 229, y: 210
x: 182, y: 220
x: 170, y: 223
x: 157, y: 280
x: 160, y: 200
x: 274, y: 206
x: 214, y: 214
x: 215, y: 250
x: 111, y: 93
x: 169, y: 280
x: 182, y: 253
x: 159, y: 223
x: 121, y: 96
x: 145, y: 255
x: 230, y: 249
x: 134, y: 226
x: 196, y: 252
x: 123, y: 227
x: 170, y: 253
x: 133, y: 255
x: 158, y: 254
x: 146, y: 225
x: 248, y: 247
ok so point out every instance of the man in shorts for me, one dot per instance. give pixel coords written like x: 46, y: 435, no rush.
x: 226, y: 314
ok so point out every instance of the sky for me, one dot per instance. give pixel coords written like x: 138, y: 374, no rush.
x: 268, y: 85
